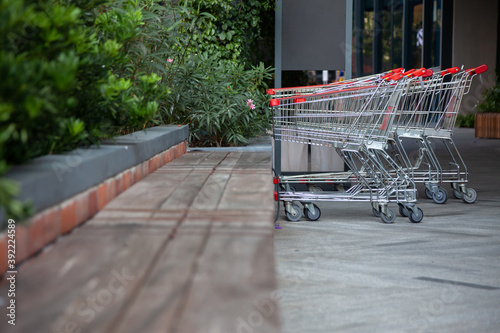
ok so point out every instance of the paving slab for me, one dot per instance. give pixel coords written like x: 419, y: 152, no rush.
x: 188, y: 248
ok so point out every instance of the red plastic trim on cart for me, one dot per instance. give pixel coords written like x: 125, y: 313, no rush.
x: 478, y: 70
x: 276, y: 101
x: 428, y: 73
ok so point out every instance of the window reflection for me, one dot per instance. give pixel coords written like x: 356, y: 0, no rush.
x: 380, y: 30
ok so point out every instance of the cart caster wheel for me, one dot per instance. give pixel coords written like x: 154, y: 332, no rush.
x: 295, y: 214
x: 416, y: 217
x: 375, y: 212
x: 440, y: 196
x: 313, y: 215
x: 428, y: 193
x: 315, y: 188
x: 457, y: 194
x: 403, y: 211
x: 470, y: 196
x: 390, y: 217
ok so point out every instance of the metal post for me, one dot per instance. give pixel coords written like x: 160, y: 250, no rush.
x: 377, y: 36
x: 359, y: 26
x: 278, y: 26
x: 277, y: 75
x: 348, y: 40
x: 407, y: 30
x: 446, y: 60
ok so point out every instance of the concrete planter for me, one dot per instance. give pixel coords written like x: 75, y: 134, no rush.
x: 487, y: 125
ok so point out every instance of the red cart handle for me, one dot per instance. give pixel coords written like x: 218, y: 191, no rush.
x: 395, y: 76
x: 428, y: 73
x: 419, y: 72
x: 451, y: 70
x: 392, y: 72
x: 408, y: 73
x: 477, y: 70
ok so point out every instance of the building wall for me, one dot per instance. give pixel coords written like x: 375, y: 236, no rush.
x: 475, y: 43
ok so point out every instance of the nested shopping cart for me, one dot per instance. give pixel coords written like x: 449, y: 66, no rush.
x: 356, y: 120
x: 427, y: 114
x: 339, y: 85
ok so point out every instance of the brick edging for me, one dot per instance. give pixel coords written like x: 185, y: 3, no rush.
x: 46, y: 226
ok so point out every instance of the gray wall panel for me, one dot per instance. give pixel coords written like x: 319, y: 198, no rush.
x: 313, y: 34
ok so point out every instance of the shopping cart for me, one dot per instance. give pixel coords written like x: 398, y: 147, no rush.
x: 356, y: 120
x: 427, y: 116
x: 339, y: 85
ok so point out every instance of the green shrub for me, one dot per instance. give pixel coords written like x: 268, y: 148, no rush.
x: 465, y: 120
x: 491, y: 102
x: 68, y: 80
x: 223, y: 103
x: 77, y: 71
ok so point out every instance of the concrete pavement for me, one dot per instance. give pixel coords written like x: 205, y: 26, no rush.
x: 349, y: 272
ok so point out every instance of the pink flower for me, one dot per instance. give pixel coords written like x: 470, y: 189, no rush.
x: 252, y: 106
x: 170, y: 60
x: 249, y: 102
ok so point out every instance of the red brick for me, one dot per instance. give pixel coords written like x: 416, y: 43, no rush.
x: 119, y: 184
x: 82, y: 208
x: 162, y: 158
x: 111, y: 189
x: 102, y: 195
x: 152, y: 166
x: 167, y: 156
x: 126, y: 180
x: 93, y: 203
x: 138, y: 173
x: 22, y: 243
x: 35, y: 235
x: 145, y: 168
x: 132, y: 177
x: 3, y: 253
x: 171, y: 154
x: 51, y: 224
x: 156, y: 160
x: 68, y: 217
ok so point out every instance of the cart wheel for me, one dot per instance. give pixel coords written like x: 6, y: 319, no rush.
x: 315, y: 188
x: 440, y: 196
x: 403, y: 211
x: 295, y: 215
x: 416, y: 217
x: 457, y: 194
x: 428, y: 193
x: 312, y: 215
x: 390, y: 217
x: 470, y: 196
x: 375, y: 212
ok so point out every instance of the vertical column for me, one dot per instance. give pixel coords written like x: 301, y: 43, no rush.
x: 359, y: 25
x: 377, y: 36
x: 348, y: 39
x: 447, y: 10
x: 278, y: 28
x: 407, y: 46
